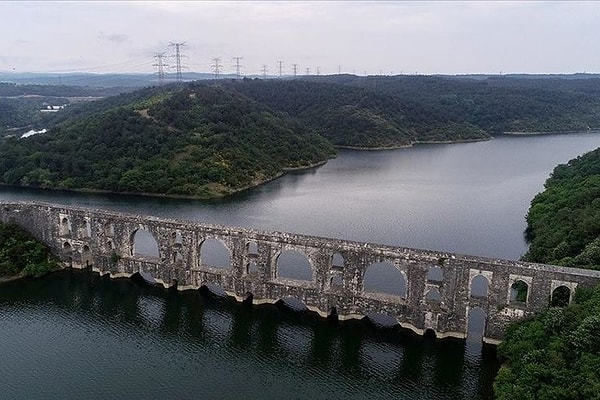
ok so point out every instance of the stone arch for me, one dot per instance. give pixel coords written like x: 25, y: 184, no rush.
x: 87, y: 228
x: 430, y: 333
x: 337, y: 261
x: 144, y: 244
x: 479, y: 286
x: 519, y: 291
x: 433, y: 295
x: 177, y: 256
x: 435, y: 274
x: 177, y: 238
x: 214, y: 253
x: 109, y: 229
x: 292, y: 264
x: 67, y: 247
x: 384, y: 277
x: 336, y: 281
x: 292, y: 303
x: 476, y: 323
x: 252, y: 248
x: 65, y: 225
x: 251, y: 268
x: 86, y: 256
x: 382, y: 320
x: 561, y: 296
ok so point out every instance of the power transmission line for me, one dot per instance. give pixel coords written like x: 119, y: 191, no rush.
x: 295, y: 68
x: 307, y: 70
x: 280, y: 68
x: 264, y: 71
x: 318, y: 71
x: 216, y: 67
x: 178, y: 56
x: 238, y: 67
x: 160, y: 66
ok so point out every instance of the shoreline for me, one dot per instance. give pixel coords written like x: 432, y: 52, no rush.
x: 540, y: 133
x: 10, y: 278
x: 413, y: 144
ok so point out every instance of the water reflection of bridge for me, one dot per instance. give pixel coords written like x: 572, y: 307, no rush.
x: 274, y: 337
x: 422, y: 290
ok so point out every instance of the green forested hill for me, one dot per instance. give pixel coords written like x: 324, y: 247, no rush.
x: 495, y: 104
x: 563, y: 222
x: 195, y: 140
x: 356, y: 116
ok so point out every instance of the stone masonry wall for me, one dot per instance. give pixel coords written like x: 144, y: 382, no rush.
x: 104, y: 241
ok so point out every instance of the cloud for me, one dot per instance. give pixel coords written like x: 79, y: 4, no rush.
x: 114, y: 37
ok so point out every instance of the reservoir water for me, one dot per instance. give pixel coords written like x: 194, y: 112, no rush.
x: 74, y: 334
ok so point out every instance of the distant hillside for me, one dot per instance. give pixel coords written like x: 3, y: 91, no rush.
x: 356, y: 117
x: 194, y: 140
x: 495, y: 104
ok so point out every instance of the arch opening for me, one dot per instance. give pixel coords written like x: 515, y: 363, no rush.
x: 251, y: 268
x: 252, y: 248
x: 382, y: 320
x: 212, y: 289
x: 479, y: 286
x: 86, y: 256
x: 215, y: 254
x: 144, y: 244
x: 561, y: 296
x: 383, y: 277
x: 336, y: 282
x: 87, y: 229
x: 429, y: 333
x: 67, y: 246
x: 177, y: 257
x: 292, y: 303
x: 177, y: 239
x: 291, y: 264
x: 433, y: 295
x: 435, y: 274
x: 519, y: 292
x: 337, y: 261
x: 65, y: 226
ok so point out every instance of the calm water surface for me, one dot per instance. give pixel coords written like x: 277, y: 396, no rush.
x: 76, y: 335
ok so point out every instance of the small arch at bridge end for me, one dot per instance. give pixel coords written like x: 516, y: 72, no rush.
x: 479, y: 286
x: 561, y: 297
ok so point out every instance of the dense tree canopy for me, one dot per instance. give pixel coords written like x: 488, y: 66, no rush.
x: 555, y: 355
x: 20, y: 253
x: 196, y: 140
x: 563, y: 222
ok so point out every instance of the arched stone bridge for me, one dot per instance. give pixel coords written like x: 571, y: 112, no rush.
x: 439, y: 293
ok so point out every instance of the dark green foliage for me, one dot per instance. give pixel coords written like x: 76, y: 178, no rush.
x: 21, y: 253
x: 563, y: 222
x: 555, y: 355
x: 357, y: 117
x: 196, y: 140
x: 494, y: 104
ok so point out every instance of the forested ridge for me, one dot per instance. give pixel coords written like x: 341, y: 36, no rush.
x: 495, y: 104
x: 563, y: 222
x: 196, y: 140
x: 556, y: 354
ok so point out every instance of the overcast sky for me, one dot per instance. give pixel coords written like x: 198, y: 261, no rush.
x: 355, y: 37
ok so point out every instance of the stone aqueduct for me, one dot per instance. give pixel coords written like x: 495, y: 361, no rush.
x: 104, y: 241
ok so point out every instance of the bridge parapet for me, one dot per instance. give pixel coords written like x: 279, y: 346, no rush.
x: 441, y: 288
